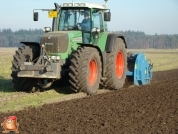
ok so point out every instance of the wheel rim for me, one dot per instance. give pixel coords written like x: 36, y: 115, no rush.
x: 119, y: 64
x: 93, y: 72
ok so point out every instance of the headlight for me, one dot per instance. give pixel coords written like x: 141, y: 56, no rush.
x: 70, y: 4
x: 76, y: 4
x: 55, y: 57
x: 65, y: 4
x: 82, y: 4
x: 98, y: 30
x: 94, y: 29
x: 46, y: 29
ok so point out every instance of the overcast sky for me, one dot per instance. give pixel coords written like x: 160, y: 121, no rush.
x: 149, y: 16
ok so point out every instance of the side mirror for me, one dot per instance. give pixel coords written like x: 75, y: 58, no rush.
x: 107, y: 16
x: 35, y: 16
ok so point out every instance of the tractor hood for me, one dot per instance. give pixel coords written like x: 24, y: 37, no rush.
x: 55, y: 42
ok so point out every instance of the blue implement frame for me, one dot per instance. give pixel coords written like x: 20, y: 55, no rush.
x: 142, y: 69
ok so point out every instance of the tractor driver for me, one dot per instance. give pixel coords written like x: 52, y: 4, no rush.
x: 85, y: 26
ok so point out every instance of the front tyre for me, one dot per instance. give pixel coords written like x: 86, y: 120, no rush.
x: 24, y: 54
x: 85, y: 70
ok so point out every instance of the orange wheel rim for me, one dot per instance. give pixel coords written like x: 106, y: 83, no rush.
x: 119, y: 64
x: 93, y: 72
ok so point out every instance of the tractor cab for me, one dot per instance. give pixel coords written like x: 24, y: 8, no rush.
x: 88, y: 18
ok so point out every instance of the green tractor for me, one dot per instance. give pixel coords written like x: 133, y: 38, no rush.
x: 78, y: 49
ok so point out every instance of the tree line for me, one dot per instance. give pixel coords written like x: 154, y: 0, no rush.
x: 141, y: 40
x: 8, y: 38
x: 134, y: 39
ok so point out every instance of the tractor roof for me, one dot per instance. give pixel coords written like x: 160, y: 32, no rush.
x: 83, y: 4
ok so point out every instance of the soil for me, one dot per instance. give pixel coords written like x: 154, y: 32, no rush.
x: 148, y: 109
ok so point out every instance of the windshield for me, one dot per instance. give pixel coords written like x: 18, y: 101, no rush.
x: 75, y: 19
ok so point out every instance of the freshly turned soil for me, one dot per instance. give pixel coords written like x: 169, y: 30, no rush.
x: 148, y: 109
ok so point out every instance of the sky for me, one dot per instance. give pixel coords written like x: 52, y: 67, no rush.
x: 149, y: 16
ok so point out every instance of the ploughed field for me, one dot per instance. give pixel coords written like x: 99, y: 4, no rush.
x: 137, y: 109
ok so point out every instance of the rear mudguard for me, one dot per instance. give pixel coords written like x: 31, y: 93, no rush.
x: 111, y: 41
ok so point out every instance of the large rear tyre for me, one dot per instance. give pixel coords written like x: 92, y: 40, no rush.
x: 85, y: 70
x: 116, y: 65
x: 24, y: 54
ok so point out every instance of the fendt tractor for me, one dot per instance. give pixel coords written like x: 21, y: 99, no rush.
x: 80, y: 50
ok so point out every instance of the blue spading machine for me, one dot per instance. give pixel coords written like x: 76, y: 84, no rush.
x: 139, y: 68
